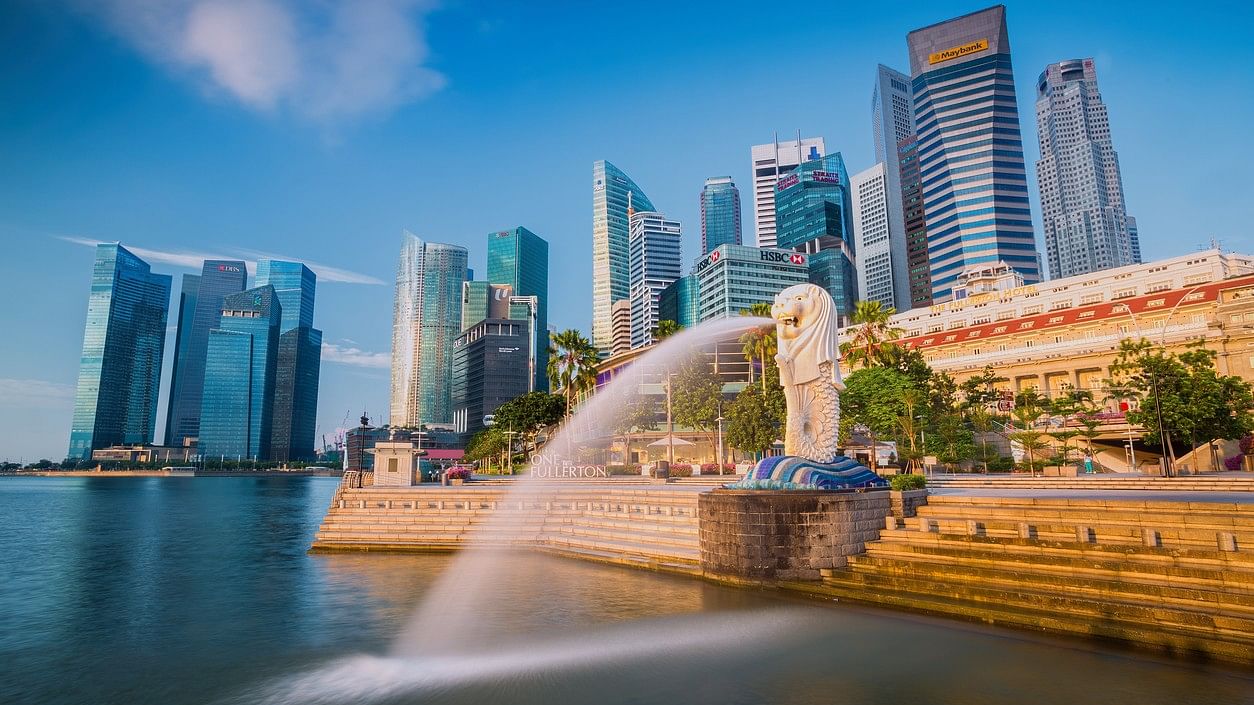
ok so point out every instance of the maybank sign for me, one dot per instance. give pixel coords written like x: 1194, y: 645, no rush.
x: 957, y: 52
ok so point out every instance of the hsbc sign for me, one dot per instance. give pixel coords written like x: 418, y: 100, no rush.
x: 777, y: 256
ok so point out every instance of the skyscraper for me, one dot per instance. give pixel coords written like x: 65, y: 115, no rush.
x: 876, y: 274
x: 919, y: 271
x: 241, y: 360
x: 426, y: 318
x: 720, y: 213
x: 975, y: 193
x: 655, y: 263
x: 892, y: 120
x: 519, y: 259
x: 295, y: 410
x: 815, y: 217
x: 681, y: 302
x: 119, y: 371
x: 610, y: 232
x: 620, y: 326
x: 218, y: 278
x: 1086, y: 223
x: 733, y: 278
x: 489, y: 369
x: 770, y: 161
x: 481, y: 301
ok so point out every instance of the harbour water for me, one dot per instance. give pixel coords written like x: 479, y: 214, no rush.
x: 200, y: 590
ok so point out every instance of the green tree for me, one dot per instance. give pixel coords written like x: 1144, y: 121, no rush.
x: 759, y: 343
x: 485, y: 444
x: 638, y: 414
x: 910, y: 424
x: 572, y: 365
x: 951, y: 440
x: 751, y: 426
x: 981, y: 390
x: 870, y: 334
x: 665, y: 329
x: 1195, y: 402
x: 695, y: 395
x: 873, y: 398
x: 1029, y: 407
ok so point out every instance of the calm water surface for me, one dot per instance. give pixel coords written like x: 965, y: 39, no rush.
x: 181, y: 590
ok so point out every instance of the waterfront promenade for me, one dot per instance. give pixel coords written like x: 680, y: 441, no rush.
x: 1169, y: 568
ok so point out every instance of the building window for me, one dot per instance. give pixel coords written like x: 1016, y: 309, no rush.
x: 394, y: 465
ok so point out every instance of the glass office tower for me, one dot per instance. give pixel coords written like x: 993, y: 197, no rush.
x: 240, y: 363
x: 295, y: 412
x: 218, y: 278
x: 681, y: 301
x: 813, y: 215
x: 426, y: 319
x: 720, y: 213
x: 519, y: 259
x: 119, y: 372
x: 975, y: 187
x: 611, y: 280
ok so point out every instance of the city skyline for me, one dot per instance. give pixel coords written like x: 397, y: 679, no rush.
x: 185, y: 225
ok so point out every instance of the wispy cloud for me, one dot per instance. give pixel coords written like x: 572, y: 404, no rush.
x: 34, y: 393
x: 323, y: 61
x: 355, y: 356
x: 194, y: 260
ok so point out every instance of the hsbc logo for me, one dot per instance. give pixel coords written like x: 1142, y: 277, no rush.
x: 797, y: 259
x: 714, y: 256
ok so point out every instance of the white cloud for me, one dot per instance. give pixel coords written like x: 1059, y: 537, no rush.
x: 355, y: 356
x: 324, y: 61
x: 194, y: 260
x: 35, y: 393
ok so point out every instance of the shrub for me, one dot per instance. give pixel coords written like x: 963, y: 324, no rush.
x: 1247, y: 444
x: 681, y: 470
x: 458, y: 474
x: 712, y: 468
x: 1004, y: 463
x: 902, y: 483
x: 1234, y: 462
x: 622, y: 469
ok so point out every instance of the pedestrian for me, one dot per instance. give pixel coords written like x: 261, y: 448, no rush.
x: 1088, y: 464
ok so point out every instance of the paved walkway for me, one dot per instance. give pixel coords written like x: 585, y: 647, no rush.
x: 1146, y: 495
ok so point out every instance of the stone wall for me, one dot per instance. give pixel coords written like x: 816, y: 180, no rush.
x: 907, y: 502
x: 759, y: 535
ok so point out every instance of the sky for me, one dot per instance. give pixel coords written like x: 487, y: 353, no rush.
x: 317, y: 131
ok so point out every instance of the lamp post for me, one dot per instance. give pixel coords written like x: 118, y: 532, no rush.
x: 719, y: 460
x: 361, y: 443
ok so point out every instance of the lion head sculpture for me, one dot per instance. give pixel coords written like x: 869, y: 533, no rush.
x: 807, y: 329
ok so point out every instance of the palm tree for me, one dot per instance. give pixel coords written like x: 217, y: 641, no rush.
x: 871, y: 334
x: 572, y: 365
x: 665, y: 329
x: 759, y: 343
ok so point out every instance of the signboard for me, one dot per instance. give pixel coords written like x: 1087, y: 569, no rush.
x: 984, y: 298
x: 778, y: 256
x: 826, y: 177
x: 708, y: 260
x: 786, y: 181
x: 227, y: 268
x: 957, y: 52
x: 552, y: 467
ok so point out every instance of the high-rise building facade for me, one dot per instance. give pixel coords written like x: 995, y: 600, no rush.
x: 975, y: 192
x: 681, y: 302
x: 918, y: 269
x: 620, y: 327
x: 734, y: 277
x: 241, y: 361
x: 519, y: 259
x: 814, y: 214
x: 892, y: 120
x: 426, y: 319
x: 654, y: 264
x: 119, y: 373
x: 876, y: 275
x: 295, y: 409
x: 489, y: 369
x: 481, y: 300
x: 218, y: 279
x: 611, y: 280
x: 770, y: 162
x: 1082, y: 206
x: 720, y: 213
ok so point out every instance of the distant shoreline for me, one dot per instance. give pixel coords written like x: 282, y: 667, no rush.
x: 169, y: 473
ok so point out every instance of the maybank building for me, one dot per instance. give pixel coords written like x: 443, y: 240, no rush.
x: 970, y: 151
x: 734, y: 277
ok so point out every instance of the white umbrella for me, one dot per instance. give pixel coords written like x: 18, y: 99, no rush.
x: 671, y: 440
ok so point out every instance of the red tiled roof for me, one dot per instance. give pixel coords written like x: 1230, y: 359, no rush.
x: 1161, y: 300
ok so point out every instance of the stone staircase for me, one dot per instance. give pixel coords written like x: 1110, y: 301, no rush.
x: 1188, y: 483
x: 1177, y: 576
x: 654, y: 527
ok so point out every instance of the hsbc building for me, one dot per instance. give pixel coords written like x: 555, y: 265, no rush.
x: 734, y: 277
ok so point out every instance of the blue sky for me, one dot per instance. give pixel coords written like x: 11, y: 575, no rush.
x: 317, y: 131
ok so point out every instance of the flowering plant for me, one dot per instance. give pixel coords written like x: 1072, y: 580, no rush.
x: 458, y: 474
x: 1234, y: 462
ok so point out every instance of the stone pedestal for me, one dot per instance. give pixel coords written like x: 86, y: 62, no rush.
x: 764, y: 536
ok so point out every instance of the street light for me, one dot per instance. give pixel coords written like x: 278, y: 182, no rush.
x: 719, y: 460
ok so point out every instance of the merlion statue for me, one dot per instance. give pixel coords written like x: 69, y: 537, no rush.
x: 807, y: 333
x: 809, y: 370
